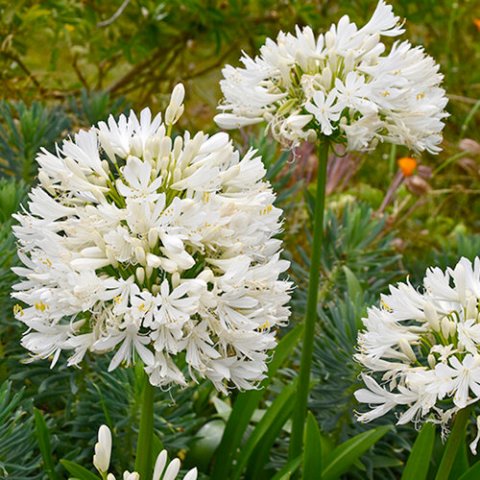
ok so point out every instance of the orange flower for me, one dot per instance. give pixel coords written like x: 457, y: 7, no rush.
x: 407, y: 166
x: 476, y: 22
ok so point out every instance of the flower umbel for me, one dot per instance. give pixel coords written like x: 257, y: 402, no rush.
x: 341, y: 85
x: 155, y: 247
x: 421, y: 350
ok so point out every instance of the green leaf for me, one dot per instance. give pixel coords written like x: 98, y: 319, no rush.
x: 419, y: 458
x: 353, y: 285
x: 244, y: 407
x: 454, y: 442
x: 78, y: 471
x: 346, y: 454
x: 276, y: 415
x: 473, y: 473
x: 312, y: 448
x: 43, y: 437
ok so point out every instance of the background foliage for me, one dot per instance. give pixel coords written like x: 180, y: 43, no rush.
x: 66, y: 64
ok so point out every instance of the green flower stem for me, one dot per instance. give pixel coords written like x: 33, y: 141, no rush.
x: 143, y: 460
x: 455, y: 439
x: 300, y: 408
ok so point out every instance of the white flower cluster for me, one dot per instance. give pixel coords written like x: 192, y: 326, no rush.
x: 162, y: 471
x: 422, y: 350
x: 154, y: 246
x: 339, y: 85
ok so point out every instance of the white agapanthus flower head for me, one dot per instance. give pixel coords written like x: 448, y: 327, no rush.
x: 156, y: 247
x: 340, y: 84
x: 163, y: 470
x: 421, y: 349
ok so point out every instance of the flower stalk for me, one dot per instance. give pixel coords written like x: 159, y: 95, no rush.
x: 300, y: 408
x: 143, y: 460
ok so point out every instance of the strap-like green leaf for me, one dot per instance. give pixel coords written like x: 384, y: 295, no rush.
x: 473, y: 473
x: 278, y: 412
x: 312, y: 450
x: 245, y: 404
x: 78, y: 471
x: 346, y: 454
x: 419, y: 458
x: 43, y: 437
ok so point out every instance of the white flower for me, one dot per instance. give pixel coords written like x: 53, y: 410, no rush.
x: 357, y: 93
x: 153, y: 247
x: 421, y: 349
x: 163, y: 470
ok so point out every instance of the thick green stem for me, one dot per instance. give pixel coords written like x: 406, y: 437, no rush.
x: 300, y: 408
x: 455, y: 439
x: 143, y: 460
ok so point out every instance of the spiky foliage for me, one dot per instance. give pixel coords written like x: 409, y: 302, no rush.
x: 19, y: 458
x: 90, y: 108
x: 23, y: 130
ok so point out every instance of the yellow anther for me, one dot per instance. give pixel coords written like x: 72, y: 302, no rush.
x: 40, y: 306
x: 385, y: 93
x: 47, y: 262
x: 117, y: 299
x: 206, y: 197
x: 266, y: 210
x: 386, y: 307
x: 420, y: 95
x: 18, y: 310
x: 141, y: 307
x: 265, y: 325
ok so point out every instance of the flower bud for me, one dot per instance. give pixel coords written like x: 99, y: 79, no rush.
x: 175, y: 108
x: 140, y: 274
x: 103, y: 449
x: 406, y: 348
x: 431, y: 316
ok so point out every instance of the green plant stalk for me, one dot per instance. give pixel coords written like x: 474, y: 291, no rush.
x: 300, y: 408
x: 143, y: 460
x: 456, y: 437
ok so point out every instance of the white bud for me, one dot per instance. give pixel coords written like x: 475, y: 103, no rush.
x: 148, y: 271
x: 406, y: 348
x: 131, y: 476
x: 431, y: 316
x: 103, y: 449
x: 153, y: 261
x: 472, y: 309
x: 326, y: 77
x: 446, y: 327
x: 349, y: 61
x: 140, y: 255
x: 160, y: 465
x: 431, y: 360
x: 172, y: 470
x: 175, y: 108
x: 329, y: 40
x: 140, y: 274
x: 152, y: 238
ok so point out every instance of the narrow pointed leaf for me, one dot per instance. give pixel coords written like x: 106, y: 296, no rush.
x: 245, y: 404
x: 346, y: 454
x: 78, y: 471
x: 279, y: 409
x: 312, y: 450
x: 43, y: 437
x: 419, y: 458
